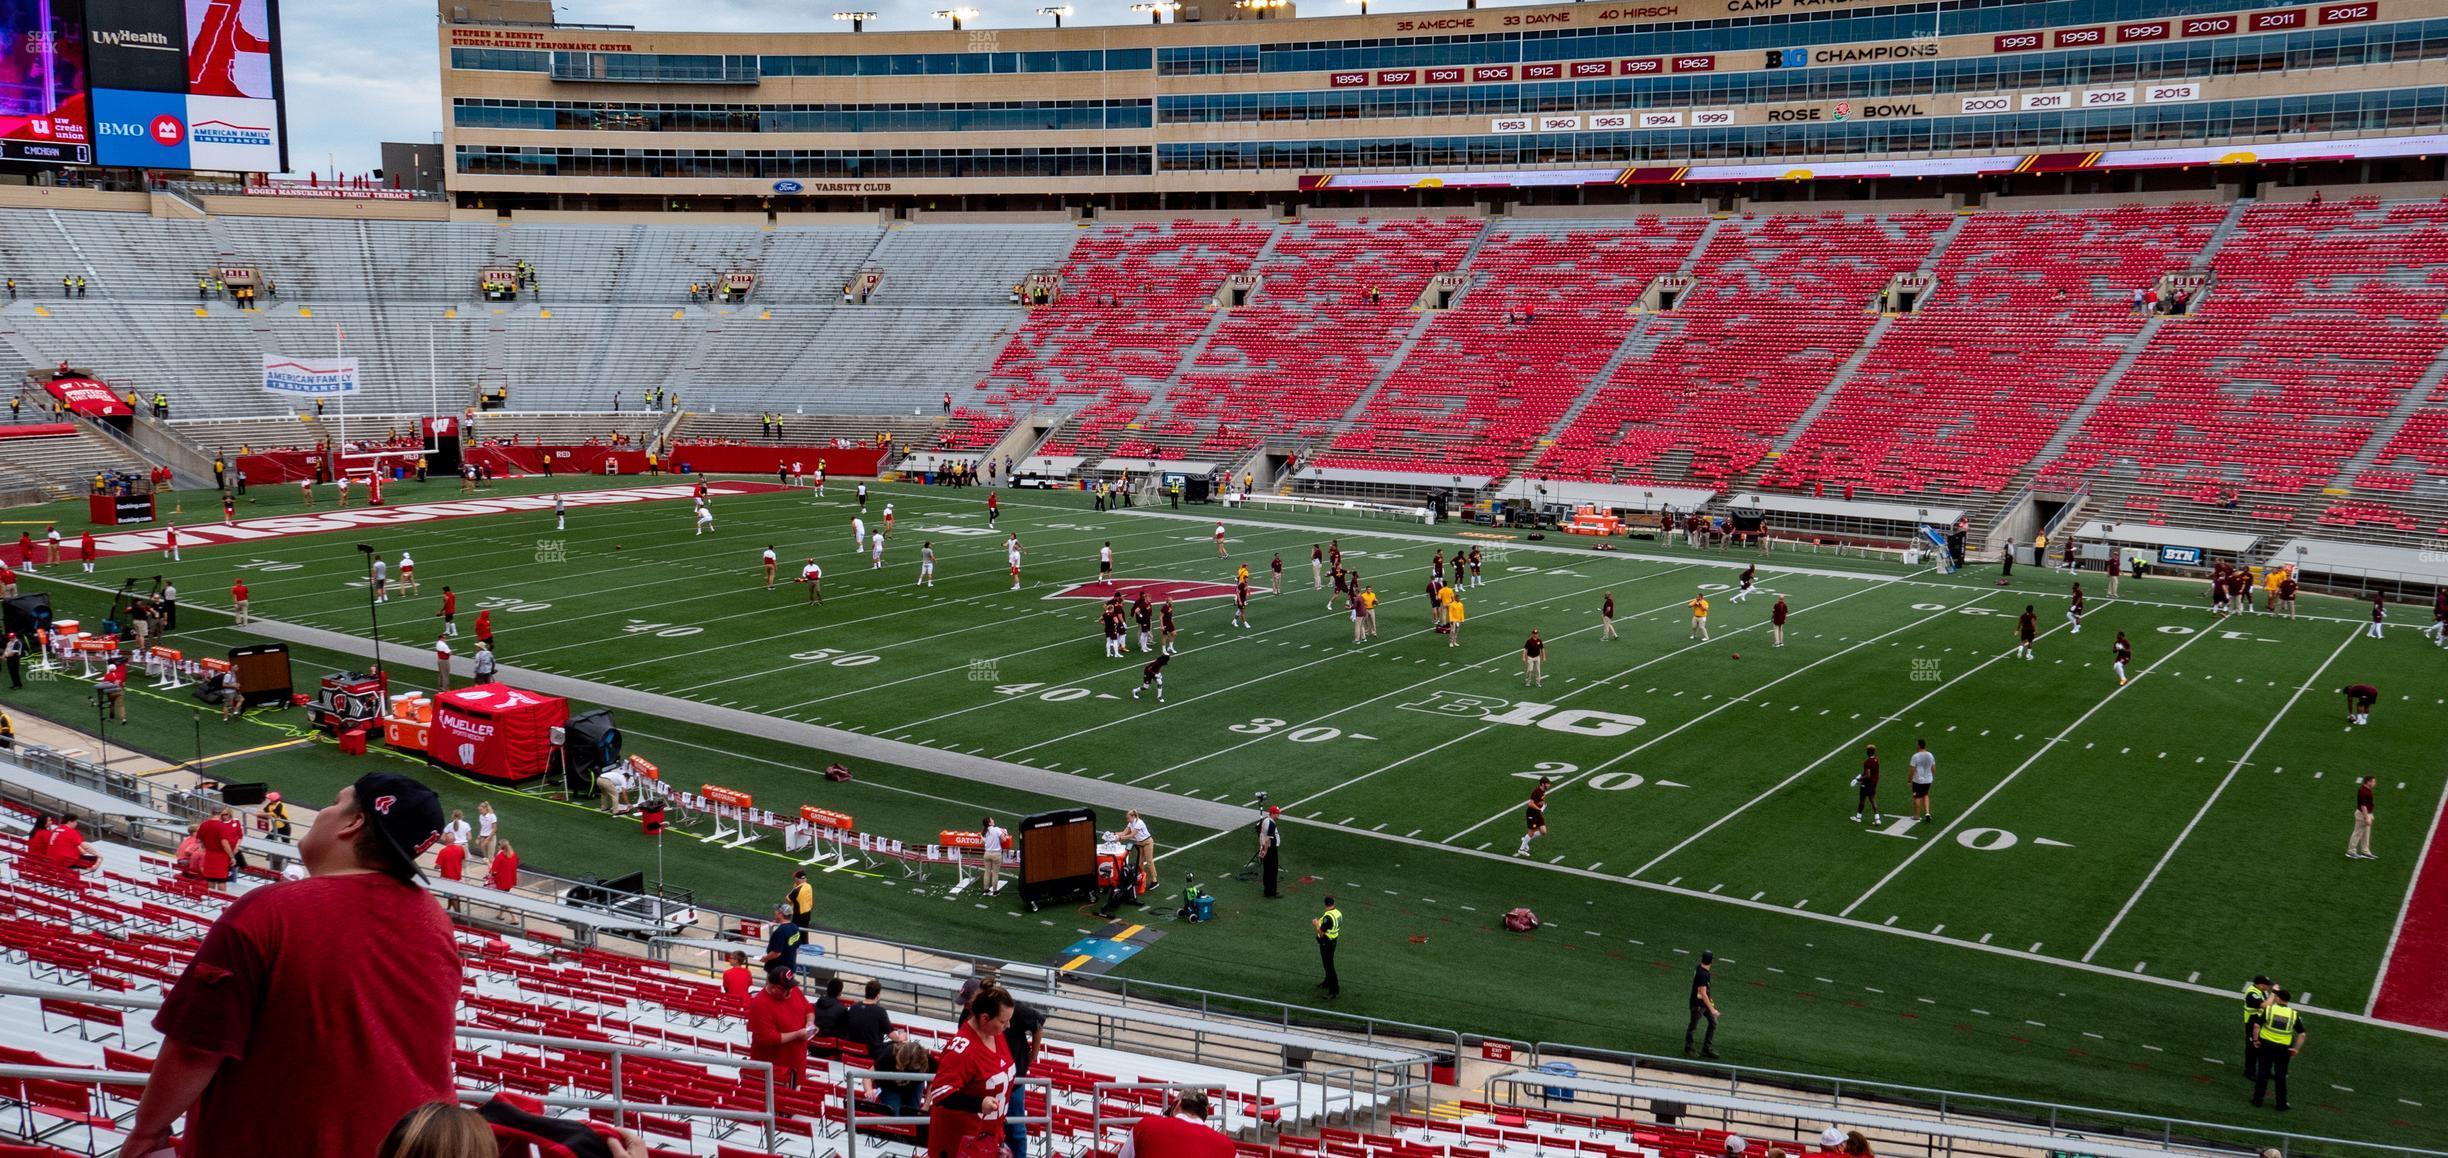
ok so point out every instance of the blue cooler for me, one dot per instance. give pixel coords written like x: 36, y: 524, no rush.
x: 1203, y: 909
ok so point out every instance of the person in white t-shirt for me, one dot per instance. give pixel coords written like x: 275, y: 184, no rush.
x: 1105, y: 561
x: 875, y: 552
x: 407, y: 573
x: 457, y: 831
x: 1924, y: 773
x: 858, y: 533
x: 442, y: 668
x: 612, y: 788
x: 990, y: 858
x: 926, y: 563
x: 1011, y: 547
x: 486, y: 823
x: 771, y: 560
x: 1135, y: 832
x: 1219, y: 538
x: 705, y: 518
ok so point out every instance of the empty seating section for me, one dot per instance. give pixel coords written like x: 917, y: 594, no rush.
x: 63, y: 464
x: 1134, y: 298
x: 968, y: 265
x: 2320, y: 317
x: 1292, y: 362
x: 1778, y: 305
x: 2292, y: 374
x: 1480, y: 388
x: 2029, y: 311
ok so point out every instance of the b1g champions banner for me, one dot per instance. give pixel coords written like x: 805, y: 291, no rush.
x: 309, y: 377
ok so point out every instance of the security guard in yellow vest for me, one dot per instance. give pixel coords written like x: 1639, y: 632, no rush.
x: 1329, y: 926
x: 2256, y: 995
x: 2279, y: 1032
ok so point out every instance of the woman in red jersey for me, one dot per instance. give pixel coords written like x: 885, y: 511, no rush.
x: 972, y: 1086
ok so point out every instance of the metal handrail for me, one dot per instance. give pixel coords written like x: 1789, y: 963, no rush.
x: 1788, y: 1083
x: 852, y: 1119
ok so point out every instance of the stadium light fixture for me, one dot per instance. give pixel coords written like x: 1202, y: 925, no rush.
x: 1262, y: 7
x: 1057, y: 11
x: 955, y: 15
x: 858, y: 20
x: 1155, y: 9
x: 1362, y: 3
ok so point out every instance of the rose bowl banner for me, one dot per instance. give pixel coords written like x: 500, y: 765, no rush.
x: 311, y: 377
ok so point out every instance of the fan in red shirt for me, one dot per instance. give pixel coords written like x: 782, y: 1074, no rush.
x: 735, y: 980
x: 972, y: 1086
x: 1181, y: 1132
x: 219, y: 838
x: 502, y: 873
x: 780, y: 1021
x: 451, y: 862
x: 319, y: 1011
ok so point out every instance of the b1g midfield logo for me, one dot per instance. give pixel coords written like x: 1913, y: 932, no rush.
x: 1491, y: 710
x: 1158, y: 590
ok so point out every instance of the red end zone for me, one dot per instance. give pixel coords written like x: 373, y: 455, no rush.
x: 1158, y: 590
x: 205, y: 534
x: 2410, y: 991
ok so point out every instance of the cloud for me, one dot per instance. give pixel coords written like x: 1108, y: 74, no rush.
x: 361, y: 72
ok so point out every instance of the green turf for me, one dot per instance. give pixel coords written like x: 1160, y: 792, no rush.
x: 1948, y: 954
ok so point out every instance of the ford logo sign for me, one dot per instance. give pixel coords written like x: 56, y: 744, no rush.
x: 788, y: 187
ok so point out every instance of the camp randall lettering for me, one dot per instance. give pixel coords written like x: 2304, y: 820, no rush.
x: 1781, y: 5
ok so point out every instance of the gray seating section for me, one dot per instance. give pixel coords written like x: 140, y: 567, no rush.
x: 612, y: 314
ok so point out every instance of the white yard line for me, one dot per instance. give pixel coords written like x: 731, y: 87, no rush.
x: 2232, y: 769
x: 2421, y: 858
x: 1940, y: 837
x: 1851, y: 923
x: 1734, y: 701
x: 1840, y: 749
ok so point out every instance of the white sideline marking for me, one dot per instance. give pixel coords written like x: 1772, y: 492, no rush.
x: 2149, y: 878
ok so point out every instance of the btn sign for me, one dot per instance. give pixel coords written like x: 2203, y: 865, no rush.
x: 1491, y: 710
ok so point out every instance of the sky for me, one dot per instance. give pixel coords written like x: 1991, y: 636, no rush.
x: 361, y: 72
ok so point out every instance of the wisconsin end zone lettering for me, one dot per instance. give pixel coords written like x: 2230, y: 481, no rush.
x: 2081, y: 37
x: 2349, y: 13
x: 1695, y: 64
x: 1348, y: 80
x: 2277, y: 21
x: 2018, y: 42
x: 2209, y: 25
x: 2144, y: 30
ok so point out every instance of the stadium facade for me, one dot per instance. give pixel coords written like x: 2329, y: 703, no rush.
x: 1587, y: 103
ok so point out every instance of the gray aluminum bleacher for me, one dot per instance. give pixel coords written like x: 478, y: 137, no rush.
x: 966, y: 264
x: 404, y: 293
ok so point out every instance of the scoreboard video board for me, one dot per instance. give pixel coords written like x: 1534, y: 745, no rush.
x: 153, y: 84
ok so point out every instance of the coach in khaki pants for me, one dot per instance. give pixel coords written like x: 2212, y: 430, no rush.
x: 2358, y: 845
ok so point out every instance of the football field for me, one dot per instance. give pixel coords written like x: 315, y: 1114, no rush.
x: 2104, y: 865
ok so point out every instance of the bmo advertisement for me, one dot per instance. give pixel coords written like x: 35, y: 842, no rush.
x: 187, y: 84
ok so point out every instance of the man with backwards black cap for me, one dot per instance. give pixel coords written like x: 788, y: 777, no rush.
x: 287, y: 1036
